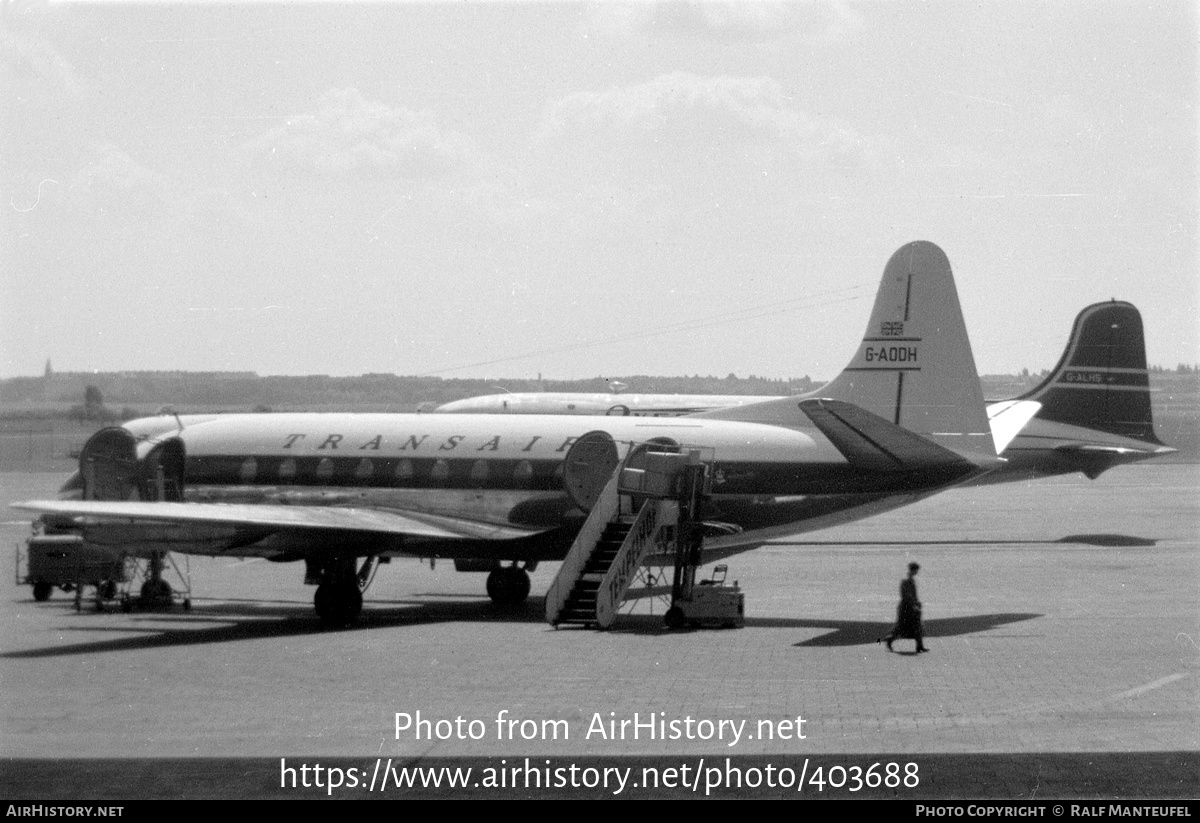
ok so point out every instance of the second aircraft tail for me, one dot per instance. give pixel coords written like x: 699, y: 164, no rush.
x: 1101, y: 382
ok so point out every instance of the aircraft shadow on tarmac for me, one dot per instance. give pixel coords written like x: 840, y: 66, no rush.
x: 841, y: 632
x: 1107, y: 540
x: 257, y: 619
x: 1085, y: 539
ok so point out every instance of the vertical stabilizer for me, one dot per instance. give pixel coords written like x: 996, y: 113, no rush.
x: 914, y: 365
x: 1101, y: 381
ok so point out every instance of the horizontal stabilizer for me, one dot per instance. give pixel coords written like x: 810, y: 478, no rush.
x: 868, y: 441
x: 1115, y: 451
x: 1008, y: 418
x: 333, y: 518
x: 1093, y: 459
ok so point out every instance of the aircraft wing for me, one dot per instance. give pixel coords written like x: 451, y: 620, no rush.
x: 277, y: 517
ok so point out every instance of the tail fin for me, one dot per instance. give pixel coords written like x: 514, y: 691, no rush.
x: 914, y: 366
x: 1101, y: 381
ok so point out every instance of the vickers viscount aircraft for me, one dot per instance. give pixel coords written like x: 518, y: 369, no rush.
x: 599, y: 403
x: 1091, y: 413
x: 905, y: 419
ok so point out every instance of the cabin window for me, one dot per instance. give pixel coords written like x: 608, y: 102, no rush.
x: 404, y: 470
x: 441, y: 470
x: 364, y: 469
x: 287, y: 470
x: 479, y: 471
x: 523, y: 472
x: 325, y: 469
x: 249, y: 470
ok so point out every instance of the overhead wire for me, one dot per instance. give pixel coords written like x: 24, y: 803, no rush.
x: 694, y: 324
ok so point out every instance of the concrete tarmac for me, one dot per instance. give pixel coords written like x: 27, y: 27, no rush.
x: 1061, y: 615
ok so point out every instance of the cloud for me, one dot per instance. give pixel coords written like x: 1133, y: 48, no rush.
x: 680, y: 109
x: 348, y: 133
x: 731, y: 20
x: 133, y: 199
x: 108, y: 167
x: 26, y: 58
x: 736, y: 20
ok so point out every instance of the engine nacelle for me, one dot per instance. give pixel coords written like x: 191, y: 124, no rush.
x: 114, y: 465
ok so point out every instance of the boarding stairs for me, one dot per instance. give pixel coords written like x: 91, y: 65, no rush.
x: 638, y: 510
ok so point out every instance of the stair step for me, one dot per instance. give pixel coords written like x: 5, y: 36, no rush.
x: 584, y: 598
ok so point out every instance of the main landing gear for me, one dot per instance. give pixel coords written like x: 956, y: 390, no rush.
x: 155, y: 593
x: 340, y: 587
x: 508, y: 585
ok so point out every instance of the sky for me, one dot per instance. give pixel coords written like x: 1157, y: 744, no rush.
x: 579, y: 190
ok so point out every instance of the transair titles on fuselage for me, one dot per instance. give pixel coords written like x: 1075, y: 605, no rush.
x: 414, y: 443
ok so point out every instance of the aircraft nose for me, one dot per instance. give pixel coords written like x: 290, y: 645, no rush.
x: 472, y: 405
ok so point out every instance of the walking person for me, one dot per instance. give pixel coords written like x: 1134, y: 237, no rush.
x: 908, y: 613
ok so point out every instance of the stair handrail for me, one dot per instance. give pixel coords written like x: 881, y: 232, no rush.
x: 603, y: 512
x: 654, y: 514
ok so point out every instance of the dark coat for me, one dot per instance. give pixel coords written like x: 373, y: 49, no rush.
x: 908, y: 613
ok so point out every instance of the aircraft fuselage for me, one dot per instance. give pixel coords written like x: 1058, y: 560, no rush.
x: 508, y: 470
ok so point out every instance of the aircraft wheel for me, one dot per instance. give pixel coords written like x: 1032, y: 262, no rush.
x: 338, y: 606
x: 519, y: 580
x: 156, y: 591
x: 41, y: 591
x: 495, y: 585
x: 508, y: 586
x: 675, y: 619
